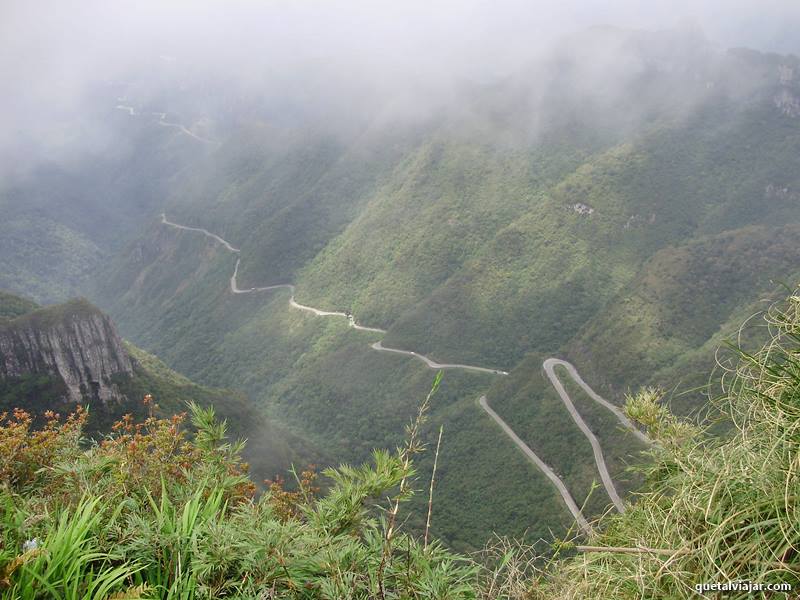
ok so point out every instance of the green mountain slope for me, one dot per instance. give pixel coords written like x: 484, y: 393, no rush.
x: 61, y: 220
x: 270, y: 449
x: 12, y: 306
x: 321, y: 379
x: 655, y: 191
x: 687, y: 298
x: 492, y: 249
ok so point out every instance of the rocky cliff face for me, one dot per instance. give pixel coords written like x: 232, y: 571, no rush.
x: 73, y: 341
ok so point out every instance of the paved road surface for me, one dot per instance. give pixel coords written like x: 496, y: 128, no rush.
x: 162, y: 120
x: 598, y: 452
x: 235, y: 289
x: 573, y: 372
x: 205, y: 232
x: 548, y: 365
x: 435, y: 365
x: 543, y: 467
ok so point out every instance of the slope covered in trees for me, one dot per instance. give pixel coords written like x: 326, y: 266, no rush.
x: 157, y: 512
x: 544, y: 215
x: 498, y: 249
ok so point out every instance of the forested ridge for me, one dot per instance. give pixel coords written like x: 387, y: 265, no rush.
x: 629, y: 232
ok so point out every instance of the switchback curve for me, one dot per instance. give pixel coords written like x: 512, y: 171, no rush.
x: 548, y: 365
x: 569, y: 501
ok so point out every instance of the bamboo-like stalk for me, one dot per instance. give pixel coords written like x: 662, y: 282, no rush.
x: 430, y: 491
x: 634, y: 550
x: 411, y: 448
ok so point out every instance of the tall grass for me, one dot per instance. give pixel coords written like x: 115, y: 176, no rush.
x: 716, y: 509
x: 67, y: 564
x: 153, y: 513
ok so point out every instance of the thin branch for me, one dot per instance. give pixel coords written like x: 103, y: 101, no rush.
x: 430, y: 491
x: 406, y: 454
x: 636, y: 550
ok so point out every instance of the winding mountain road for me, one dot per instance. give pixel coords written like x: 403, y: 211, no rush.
x: 162, y: 120
x: 598, y: 452
x: 205, y: 232
x: 602, y: 468
x: 235, y: 289
x: 548, y: 365
x: 435, y: 365
x: 543, y: 467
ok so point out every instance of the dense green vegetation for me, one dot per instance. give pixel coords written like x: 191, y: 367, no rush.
x: 462, y: 238
x: 59, y: 223
x: 540, y: 419
x: 155, y: 511
x: 44, y: 259
x: 715, y: 509
x: 687, y: 297
x: 270, y: 447
x: 463, y: 233
x: 328, y: 386
x: 661, y: 188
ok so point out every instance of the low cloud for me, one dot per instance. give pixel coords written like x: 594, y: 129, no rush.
x: 327, y: 58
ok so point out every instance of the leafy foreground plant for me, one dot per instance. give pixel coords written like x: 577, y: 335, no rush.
x: 151, y: 513
x: 67, y: 564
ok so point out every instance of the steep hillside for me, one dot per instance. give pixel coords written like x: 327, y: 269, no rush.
x: 703, y: 514
x: 62, y: 218
x: 482, y: 240
x: 681, y: 305
x: 72, y: 343
x: 271, y: 450
x: 322, y: 379
x: 531, y: 406
x: 668, y: 185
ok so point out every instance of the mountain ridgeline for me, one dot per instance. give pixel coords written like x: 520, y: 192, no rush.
x: 626, y: 220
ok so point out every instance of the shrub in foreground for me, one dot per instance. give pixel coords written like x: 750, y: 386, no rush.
x: 151, y: 512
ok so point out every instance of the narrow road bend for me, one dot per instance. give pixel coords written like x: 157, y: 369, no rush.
x: 598, y: 452
x: 569, y: 501
x: 162, y: 120
x: 235, y: 289
x: 548, y: 365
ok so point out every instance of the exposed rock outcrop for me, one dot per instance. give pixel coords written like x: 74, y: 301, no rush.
x: 788, y: 103
x: 582, y: 209
x: 72, y: 341
x: 780, y: 192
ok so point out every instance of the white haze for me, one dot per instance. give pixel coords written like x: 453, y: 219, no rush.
x: 341, y: 57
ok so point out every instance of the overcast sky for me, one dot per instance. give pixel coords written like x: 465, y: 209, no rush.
x: 52, y: 51
x: 467, y: 35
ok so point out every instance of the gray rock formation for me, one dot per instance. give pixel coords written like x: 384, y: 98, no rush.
x: 75, y: 342
x: 788, y: 103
